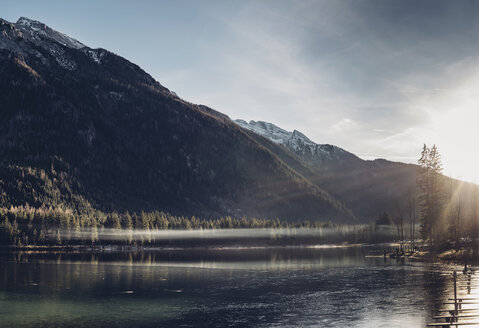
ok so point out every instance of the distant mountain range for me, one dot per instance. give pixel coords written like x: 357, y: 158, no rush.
x: 85, y: 129
x: 315, y: 154
x: 365, y: 187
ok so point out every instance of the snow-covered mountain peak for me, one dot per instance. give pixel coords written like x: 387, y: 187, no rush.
x: 35, y: 31
x: 29, y: 38
x: 295, y: 141
x: 275, y: 133
x: 296, y: 135
x: 27, y: 21
x: 266, y: 129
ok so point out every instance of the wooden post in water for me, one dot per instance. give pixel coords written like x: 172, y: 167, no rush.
x: 465, y: 262
x: 468, y: 283
x: 455, y: 296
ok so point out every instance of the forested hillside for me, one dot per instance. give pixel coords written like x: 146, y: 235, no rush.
x: 85, y: 130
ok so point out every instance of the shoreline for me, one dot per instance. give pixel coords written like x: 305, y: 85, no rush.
x: 450, y: 256
x: 121, y: 248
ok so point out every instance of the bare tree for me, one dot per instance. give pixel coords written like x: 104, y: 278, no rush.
x: 475, y: 218
x: 399, y: 223
x: 412, y: 215
x: 455, y: 214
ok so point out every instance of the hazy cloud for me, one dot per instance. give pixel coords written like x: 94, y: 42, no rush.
x: 376, y: 77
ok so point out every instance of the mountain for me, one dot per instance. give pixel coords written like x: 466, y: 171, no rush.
x: 366, y: 187
x: 85, y: 129
x: 321, y: 156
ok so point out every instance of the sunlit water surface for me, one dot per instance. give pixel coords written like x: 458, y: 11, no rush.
x: 260, y: 287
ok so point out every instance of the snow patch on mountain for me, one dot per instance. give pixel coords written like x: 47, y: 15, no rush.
x: 36, y: 31
x: 267, y: 130
x: 20, y: 36
x: 295, y: 141
x: 95, y: 54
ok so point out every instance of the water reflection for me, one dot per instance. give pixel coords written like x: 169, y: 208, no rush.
x: 284, y: 287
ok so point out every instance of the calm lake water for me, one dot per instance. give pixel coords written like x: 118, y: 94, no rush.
x: 260, y: 287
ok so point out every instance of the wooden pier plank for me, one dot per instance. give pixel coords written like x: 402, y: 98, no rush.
x: 465, y: 299
x: 448, y: 324
x: 457, y: 316
x: 459, y: 310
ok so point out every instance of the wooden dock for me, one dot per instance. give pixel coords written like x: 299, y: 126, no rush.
x: 465, y: 307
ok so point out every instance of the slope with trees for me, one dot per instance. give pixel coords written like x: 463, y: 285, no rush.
x: 85, y: 130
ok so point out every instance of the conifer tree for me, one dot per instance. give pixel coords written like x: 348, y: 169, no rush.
x: 431, y: 194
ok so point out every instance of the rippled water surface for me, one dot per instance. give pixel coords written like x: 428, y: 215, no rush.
x: 260, y: 287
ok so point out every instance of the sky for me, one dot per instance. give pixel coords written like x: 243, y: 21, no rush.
x: 377, y: 78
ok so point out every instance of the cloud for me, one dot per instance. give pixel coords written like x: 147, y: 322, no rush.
x: 345, y: 125
x: 365, y: 77
x: 377, y: 78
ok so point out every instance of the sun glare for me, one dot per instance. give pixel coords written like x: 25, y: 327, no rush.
x: 454, y: 129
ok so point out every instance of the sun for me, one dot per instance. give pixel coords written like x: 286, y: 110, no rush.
x: 454, y: 128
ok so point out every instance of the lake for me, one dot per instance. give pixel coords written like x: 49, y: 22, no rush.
x: 219, y: 287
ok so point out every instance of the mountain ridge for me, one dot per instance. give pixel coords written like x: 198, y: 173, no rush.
x: 86, y: 129
x: 366, y: 187
x: 295, y: 140
x: 37, y: 30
